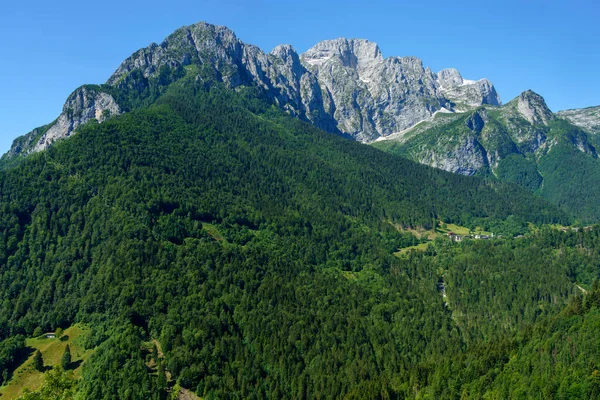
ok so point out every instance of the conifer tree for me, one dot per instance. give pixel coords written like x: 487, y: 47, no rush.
x: 66, y: 358
x: 38, y: 361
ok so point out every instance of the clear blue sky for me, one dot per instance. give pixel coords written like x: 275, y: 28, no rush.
x: 49, y: 48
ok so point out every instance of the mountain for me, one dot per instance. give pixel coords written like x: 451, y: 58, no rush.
x: 586, y: 118
x: 373, y: 97
x: 254, y: 248
x: 522, y: 142
x: 207, y: 241
x: 342, y: 86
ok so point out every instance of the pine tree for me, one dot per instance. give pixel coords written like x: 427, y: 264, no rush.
x: 155, y: 353
x: 66, y: 358
x: 162, y: 377
x: 38, y: 361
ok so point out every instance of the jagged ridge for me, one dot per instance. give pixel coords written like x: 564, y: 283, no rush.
x: 521, y: 142
x: 343, y: 86
x: 586, y: 118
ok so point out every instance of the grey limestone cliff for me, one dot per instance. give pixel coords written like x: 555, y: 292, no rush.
x: 466, y: 93
x: 83, y: 105
x: 586, y: 118
x: 376, y: 96
x: 533, y: 108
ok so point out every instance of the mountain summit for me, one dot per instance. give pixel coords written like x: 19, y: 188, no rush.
x: 343, y: 86
x: 471, y: 93
x: 533, y: 108
x: 375, y: 96
x: 353, y: 53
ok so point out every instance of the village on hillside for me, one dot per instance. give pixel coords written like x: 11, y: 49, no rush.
x: 459, y: 238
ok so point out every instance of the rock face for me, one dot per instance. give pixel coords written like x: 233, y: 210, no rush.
x: 83, y: 105
x: 586, y: 118
x: 466, y: 158
x: 376, y: 97
x: 533, y: 108
x: 466, y: 93
x: 343, y: 86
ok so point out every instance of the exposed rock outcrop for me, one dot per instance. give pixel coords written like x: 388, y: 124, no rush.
x: 466, y: 93
x: 377, y: 97
x: 586, y: 118
x: 83, y: 105
x: 533, y: 108
x: 466, y: 157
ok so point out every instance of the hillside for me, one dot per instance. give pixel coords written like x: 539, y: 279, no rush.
x: 217, y: 245
x: 26, y: 377
x: 522, y: 142
x: 245, y: 241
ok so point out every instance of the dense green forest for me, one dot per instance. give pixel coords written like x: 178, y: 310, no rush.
x: 258, y: 251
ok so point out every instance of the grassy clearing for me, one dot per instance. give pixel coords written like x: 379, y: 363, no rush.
x: 419, y: 233
x: 213, y: 231
x: 459, y: 230
x: 534, y: 228
x: 441, y: 230
x: 418, y: 247
x: 26, y: 376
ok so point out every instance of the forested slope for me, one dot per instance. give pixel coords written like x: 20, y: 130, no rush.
x: 258, y: 251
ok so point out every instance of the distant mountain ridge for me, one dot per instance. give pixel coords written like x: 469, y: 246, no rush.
x: 522, y: 142
x: 587, y: 118
x: 343, y: 86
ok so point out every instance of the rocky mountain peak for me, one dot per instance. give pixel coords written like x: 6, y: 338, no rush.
x: 467, y: 92
x: 341, y: 85
x: 290, y: 58
x: 285, y: 52
x: 353, y: 53
x: 450, y: 77
x: 199, y: 43
x: 533, y: 108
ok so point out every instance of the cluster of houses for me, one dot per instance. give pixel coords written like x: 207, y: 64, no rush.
x: 459, y: 238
